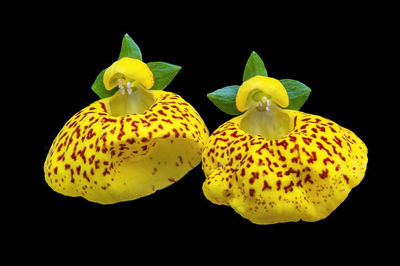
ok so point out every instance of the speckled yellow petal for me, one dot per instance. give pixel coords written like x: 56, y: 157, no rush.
x: 252, y: 91
x: 303, y: 176
x: 108, y: 159
x: 131, y: 69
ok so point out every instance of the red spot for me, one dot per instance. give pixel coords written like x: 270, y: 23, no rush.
x: 279, y: 174
x: 321, y: 147
x: 85, y: 176
x: 167, y: 120
x: 78, y: 169
x: 105, y: 120
x: 337, y: 167
x: 304, y: 126
x: 266, y: 186
x: 72, y: 176
x: 282, y: 143
x: 220, y: 139
x: 299, y: 184
x: 238, y: 157
x: 251, y: 159
x: 103, y: 106
x: 165, y: 107
x: 171, y: 180
x: 308, y: 179
x: 314, y: 130
x: 176, y: 132
x: 289, y: 187
x: 160, y: 127
x: 260, y: 162
x: 307, y: 140
x: 278, y: 184
x: 251, y: 192
x: 55, y: 170
x: 161, y: 112
x: 67, y: 166
x: 326, y: 160
x: 281, y: 158
x: 338, y: 141
x: 90, y: 134
x: 324, y: 174
x: 166, y: 135
x: 242, y: 173
x: 313, y: 157
x: 106, y: 172
x: 135, y: 127
x: 321, y: 128
x: 292, y: 138
x: 245, y: 145
x: 255, y: 175
x: 269, y: 164
x: 82, y: 154
x: 234, y: 134
x: 346, y: 178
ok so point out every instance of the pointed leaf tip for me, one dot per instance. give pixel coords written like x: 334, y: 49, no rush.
x: 129, y: 48
x: 254, y: 66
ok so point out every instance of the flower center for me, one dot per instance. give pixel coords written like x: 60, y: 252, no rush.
x: 131, y: 98
x: 261, y: 98
x: 134, y: 80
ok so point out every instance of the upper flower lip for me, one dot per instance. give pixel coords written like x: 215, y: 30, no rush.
x: 130, y: 69
x: 264, y: 86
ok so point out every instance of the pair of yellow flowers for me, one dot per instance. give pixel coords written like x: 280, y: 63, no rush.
x: 269, y: 164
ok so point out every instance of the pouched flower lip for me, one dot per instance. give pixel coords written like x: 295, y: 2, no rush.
x: 129, y: 145
x: 302, y: 172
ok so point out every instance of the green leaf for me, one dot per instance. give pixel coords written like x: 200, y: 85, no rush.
x: 163, y: 74
x: 129, y: 48
x: 254, y: 66
x: 297, y: 92
x: 225, y: 99
x: 99, y: 88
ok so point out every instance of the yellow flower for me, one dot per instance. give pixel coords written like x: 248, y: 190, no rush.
x: 129, y: 145
x: 275, y: 165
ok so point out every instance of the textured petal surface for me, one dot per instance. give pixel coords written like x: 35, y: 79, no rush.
x: 109, y: 159
x: 305, y: 175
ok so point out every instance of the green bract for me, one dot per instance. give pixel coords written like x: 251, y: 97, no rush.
x: 225, y: 98
x: 163, y: 72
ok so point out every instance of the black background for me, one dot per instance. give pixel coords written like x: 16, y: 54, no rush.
x: 332, y: 50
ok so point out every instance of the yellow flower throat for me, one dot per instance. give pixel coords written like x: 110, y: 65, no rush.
x: 262, y: 99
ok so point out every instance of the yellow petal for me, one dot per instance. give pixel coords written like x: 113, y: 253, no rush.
x: 109, y: 159
x: 304, y: 175
x: 252, y: 91
x: 130, y: 69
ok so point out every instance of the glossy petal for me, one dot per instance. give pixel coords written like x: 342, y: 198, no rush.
x: 304, y: 175
x: 129, y: 68
x: 108, y: 159
x: 248, y: 92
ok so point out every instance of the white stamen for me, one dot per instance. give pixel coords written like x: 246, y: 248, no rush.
x: 129, y: 87
x: 260, y: 105
x: 268, y: 106
x: 122, y: 90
